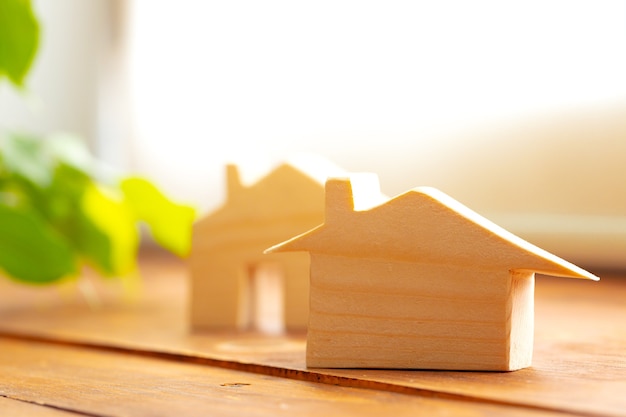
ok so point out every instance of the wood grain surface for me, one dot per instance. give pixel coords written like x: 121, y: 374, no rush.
x: 579, y: 366
x: 19, y: 408
x: 92, y: 382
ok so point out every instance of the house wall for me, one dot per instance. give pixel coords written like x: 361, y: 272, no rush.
x: 215, y: 291
x: 219, y: 264
x: 385, y: 314
x: 522, y: 319
x: 231, y: 240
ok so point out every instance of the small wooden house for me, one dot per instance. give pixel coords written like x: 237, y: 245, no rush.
x: 233, y: 285
x: 418, y: 281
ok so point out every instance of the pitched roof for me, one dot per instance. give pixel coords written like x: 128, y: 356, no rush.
x: 422, y: 225
x: 290, y: 187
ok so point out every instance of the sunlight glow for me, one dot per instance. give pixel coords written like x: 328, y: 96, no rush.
x: 219, y: 81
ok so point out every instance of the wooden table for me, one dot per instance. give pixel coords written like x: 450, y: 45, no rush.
x: 134, y: 356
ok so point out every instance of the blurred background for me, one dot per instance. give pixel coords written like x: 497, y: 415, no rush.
x: 516, y: 109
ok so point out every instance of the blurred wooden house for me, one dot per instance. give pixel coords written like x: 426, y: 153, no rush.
x: 233, y: 284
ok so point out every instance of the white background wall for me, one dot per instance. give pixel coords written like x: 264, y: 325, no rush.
x: 62, y: 88
x: 386, y: 85
x: 517, y: 109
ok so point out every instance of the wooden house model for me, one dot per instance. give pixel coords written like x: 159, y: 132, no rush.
x: 233, y: 285
x: 418, y: 281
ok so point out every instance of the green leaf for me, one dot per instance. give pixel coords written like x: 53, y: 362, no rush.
x: 93, y: 244
x: 64, y: 201
x: 19, y: 39
x: 22, y: 155
x: 67, y: 149
x: 51, y: 178
x: 170, y: 223
x: 112, y: 216
x: 49, y: 175
x: 30, y: 251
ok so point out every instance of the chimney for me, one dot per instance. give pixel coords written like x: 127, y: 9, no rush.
x: 339, y: 199
x: 359, y: 191
x: 233, y: 182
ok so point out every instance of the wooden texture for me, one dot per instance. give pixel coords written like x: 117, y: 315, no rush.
x: 579, y: 366
x: 362, y: 318
x: 29, y: 408
x: 418, y: 281
x: 96, y: 383
x: 228, y: 243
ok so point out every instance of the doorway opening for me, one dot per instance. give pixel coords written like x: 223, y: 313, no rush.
x: 265, y: 300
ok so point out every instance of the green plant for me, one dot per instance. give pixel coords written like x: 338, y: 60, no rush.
x: 19, y: 39
x: 54, y: 215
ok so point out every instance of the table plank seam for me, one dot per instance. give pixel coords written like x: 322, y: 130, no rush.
x: 54, y: 407
x: 275, y: 371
